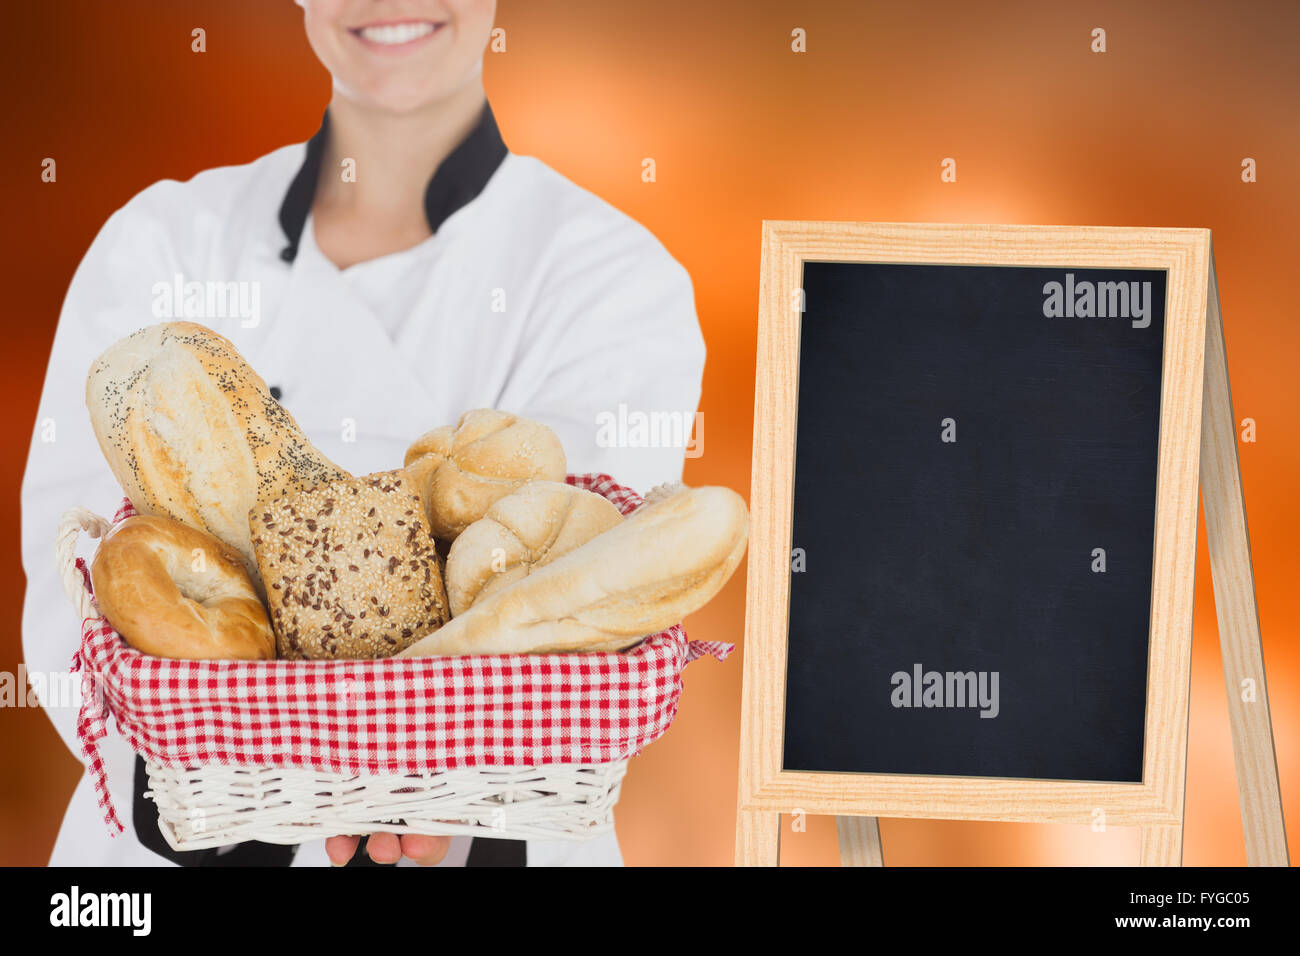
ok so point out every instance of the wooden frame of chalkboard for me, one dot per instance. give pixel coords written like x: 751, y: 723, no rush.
x: 1155, y: 802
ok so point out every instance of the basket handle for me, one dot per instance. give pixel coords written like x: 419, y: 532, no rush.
x: 73, y: 522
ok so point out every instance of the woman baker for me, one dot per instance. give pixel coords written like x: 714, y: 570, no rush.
x: 399, y: 267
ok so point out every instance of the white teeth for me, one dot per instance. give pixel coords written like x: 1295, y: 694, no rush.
x: 394, y: 33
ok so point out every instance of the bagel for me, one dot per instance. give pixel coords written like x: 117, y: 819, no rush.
x: 174, y: 591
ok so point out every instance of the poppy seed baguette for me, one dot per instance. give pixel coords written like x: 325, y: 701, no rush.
x: 664, y: 562
x: 192, y: 433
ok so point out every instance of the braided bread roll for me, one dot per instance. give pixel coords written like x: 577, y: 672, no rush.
x: 460, y: 471
x: 665, y: 561
x: 524, y: 531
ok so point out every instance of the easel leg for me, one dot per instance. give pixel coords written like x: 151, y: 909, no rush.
x: 859, y: 841
x: 1162, y: 845
x: 1234, y: 600
x: 758, y: 838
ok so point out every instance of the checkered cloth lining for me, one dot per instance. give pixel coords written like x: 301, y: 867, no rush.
x: 415, y: 715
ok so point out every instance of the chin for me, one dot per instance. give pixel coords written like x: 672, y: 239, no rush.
x: 398, y: 94
x: 401, y: 100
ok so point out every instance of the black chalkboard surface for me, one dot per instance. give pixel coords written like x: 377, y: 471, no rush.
x: 970, y: 449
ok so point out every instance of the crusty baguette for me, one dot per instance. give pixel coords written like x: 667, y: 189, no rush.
x: 664, y: 562
x: 191, y: 432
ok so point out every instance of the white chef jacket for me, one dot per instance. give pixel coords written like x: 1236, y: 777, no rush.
x: 532, y: 296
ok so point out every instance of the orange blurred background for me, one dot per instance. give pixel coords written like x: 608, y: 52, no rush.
x: 1151, y: 133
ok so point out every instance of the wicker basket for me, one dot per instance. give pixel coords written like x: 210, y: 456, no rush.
x: 216, y: 804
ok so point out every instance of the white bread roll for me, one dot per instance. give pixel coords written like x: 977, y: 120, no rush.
x: 524, y: 531
x: 662, y: 563
x: 173, y: 591
x: 460, y: 471
x: 192, y: 433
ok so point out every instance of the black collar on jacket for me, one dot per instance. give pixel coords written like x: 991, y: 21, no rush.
x: 458, y: 180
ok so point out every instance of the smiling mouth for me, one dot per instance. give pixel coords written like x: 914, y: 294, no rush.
x: 395, y: 34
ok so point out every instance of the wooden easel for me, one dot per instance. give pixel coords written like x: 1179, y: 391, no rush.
x: 758, y: 830
x: 1234, y: 600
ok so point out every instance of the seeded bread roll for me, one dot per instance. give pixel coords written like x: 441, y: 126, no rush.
x: 524, y: 531
x: 350, y: 568
x: 459, y: 472
x: 191, y: 432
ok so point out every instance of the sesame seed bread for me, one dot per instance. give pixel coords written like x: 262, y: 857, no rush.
x: 191, y: 432
x: 350, y: 568
x: 665, y: 561
x: 524, y: 531
x: 460, y: 471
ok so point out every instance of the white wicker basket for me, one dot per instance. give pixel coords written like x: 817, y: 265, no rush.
x: 211, y: 806
x: 215, y: 806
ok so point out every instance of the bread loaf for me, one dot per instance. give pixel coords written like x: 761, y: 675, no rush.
x: 173, y: 591
x: 645, y: 574
x: 524, y: 531
x: 350, y: 568
x: 460, y: 471
x: 192, y: 433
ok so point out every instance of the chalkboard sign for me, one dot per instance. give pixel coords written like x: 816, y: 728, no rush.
x: 973, y: 540
x: 974, y: 520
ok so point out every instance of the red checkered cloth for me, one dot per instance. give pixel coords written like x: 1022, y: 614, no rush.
x: 414, y: 715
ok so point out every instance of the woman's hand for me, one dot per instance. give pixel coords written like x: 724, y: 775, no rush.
x: 389, y: 848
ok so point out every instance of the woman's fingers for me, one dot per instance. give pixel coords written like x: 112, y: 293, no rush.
x: 425, y: 850
x: 340, y: 848
x: 384, y: 847
x: 389, y: 848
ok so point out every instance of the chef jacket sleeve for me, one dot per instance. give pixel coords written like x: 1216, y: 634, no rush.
x: 109, y: 297
x: 615, y: 358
